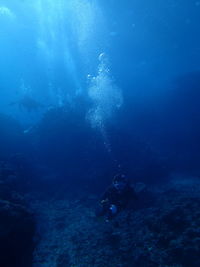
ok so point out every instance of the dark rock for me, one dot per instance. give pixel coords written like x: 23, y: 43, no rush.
x: 16, y: 235
x: 17, y: 226
x: 162, y: 232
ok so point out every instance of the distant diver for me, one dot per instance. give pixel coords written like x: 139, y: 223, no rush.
x: 116, y: 198
x: 28, y: 103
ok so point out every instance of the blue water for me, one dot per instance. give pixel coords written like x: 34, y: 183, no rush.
x: 100, y: 83
x: 90, y: 89
x: 96, y: 87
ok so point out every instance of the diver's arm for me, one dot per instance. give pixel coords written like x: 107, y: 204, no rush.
x: 105, y: 198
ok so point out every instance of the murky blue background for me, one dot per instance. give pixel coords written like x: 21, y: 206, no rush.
x: 98, y: 87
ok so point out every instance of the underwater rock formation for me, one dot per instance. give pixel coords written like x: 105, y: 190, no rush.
x: 28, y: 103
x: 16, y: 235
x: 162, y: 230
x: 65, y: 140
x: 17, y: 224
x: 11, y: 136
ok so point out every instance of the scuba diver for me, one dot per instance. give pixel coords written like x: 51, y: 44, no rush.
x: 116, y: 198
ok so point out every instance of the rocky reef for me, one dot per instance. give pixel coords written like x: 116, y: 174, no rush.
x: 17, y: 224
x: 162, y: 229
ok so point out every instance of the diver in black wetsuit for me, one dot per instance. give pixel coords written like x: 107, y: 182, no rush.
x: 116, y: 197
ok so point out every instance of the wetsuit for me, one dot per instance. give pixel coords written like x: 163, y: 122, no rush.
x: 120, y: 199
